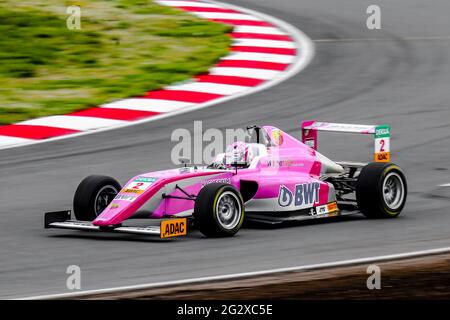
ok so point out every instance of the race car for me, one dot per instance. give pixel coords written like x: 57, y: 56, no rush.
x: 273, y: 178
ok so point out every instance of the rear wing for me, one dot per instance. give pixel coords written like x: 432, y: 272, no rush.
x: 381, y: 135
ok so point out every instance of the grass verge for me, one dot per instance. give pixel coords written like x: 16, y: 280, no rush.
x: 124, y: 48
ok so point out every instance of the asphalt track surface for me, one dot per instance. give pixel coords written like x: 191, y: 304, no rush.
x: 399, y: 75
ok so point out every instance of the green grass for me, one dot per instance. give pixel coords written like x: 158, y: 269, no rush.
x: 124, y: 48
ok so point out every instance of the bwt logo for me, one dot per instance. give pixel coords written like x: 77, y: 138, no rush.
x: 305, y: 194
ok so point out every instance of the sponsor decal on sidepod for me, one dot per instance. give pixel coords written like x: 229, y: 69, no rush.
x: 221, y: 180
x: 305, y: 194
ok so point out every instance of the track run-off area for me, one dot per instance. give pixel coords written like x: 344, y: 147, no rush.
x: 264, y: 52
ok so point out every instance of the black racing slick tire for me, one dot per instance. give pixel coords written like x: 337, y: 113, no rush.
x: 93, y: 195
x: 219, y: 210
x: 381, y: 190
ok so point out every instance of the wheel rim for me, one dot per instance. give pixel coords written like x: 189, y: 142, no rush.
x: 228, y: 210
x: 393, y: 191
x: 104, y: 198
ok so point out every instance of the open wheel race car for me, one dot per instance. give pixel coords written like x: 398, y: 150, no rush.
x: 273, y: 179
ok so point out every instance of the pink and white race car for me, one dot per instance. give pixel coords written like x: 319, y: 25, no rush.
x: 272, y: 179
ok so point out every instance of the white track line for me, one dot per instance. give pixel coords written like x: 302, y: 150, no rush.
x: 235, y: 276
x: 302, y: 41
x: 208, y: 87
x: 263, y: 57
x: 264, y: 43
x: 259, y: 30
x: 228, y: 16
x: 245, y: 72
x: 444, y: 185
x: 144, y: 104
x: 188, y: 4
x: 73, y: 122
x: 7, y: 141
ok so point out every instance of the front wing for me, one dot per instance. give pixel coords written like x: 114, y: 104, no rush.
x: 167, y: 228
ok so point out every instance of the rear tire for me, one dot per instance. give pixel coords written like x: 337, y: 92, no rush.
x: 219, y: 210
x: 93, y: 195
x: 381, y: 190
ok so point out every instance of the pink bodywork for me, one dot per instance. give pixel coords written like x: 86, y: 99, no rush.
x: 288, y: 164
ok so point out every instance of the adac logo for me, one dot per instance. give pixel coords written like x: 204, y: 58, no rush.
x: 304, y: 194
x: 382, y: 157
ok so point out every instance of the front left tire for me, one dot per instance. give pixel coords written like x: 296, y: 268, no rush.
x: 93, y: 195
x: 219, y: 210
